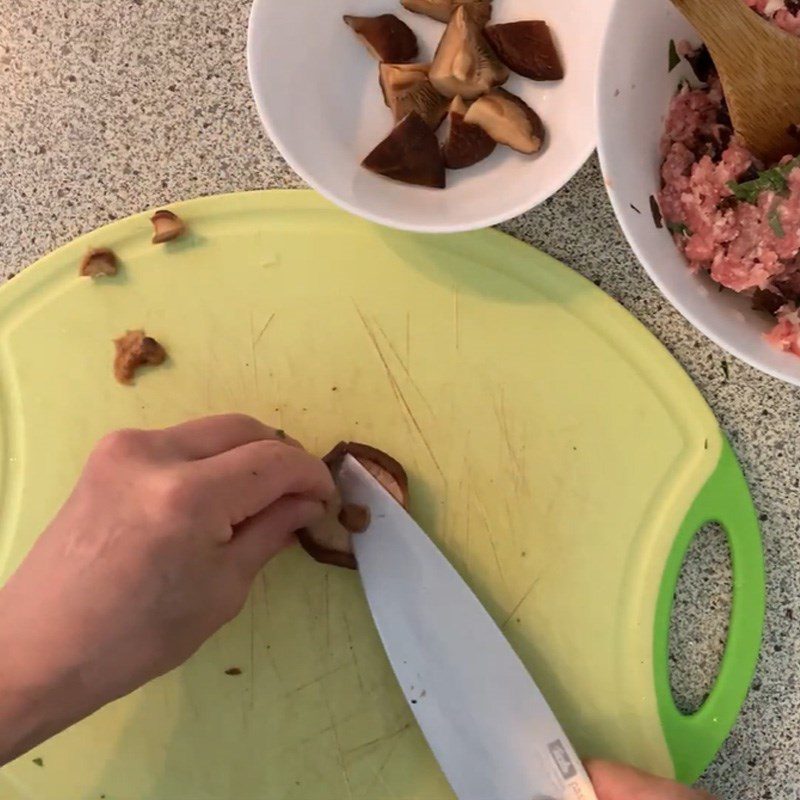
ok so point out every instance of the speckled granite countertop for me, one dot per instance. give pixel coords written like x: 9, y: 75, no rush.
x: 108, y: 107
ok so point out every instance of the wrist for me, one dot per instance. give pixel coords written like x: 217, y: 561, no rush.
x: 41, y: 692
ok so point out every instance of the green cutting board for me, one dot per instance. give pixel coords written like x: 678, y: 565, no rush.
x: 558, y: 455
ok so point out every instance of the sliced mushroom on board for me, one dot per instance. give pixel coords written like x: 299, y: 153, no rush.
x: 330, y: 540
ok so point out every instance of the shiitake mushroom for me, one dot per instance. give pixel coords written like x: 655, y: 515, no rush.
x: 329, y: 541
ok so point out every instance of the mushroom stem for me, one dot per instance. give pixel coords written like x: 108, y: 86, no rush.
x: 464, y: 63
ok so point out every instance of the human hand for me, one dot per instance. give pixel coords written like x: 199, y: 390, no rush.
x: 153, y: 552
x: 618, y: 782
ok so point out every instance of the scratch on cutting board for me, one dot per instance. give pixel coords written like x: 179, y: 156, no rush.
x: 252, y: 655
x: 378, y: 777
x: 352, y: 649
x: 398, y: 393
x: 387, y: 737
x: 253, y: 356
x: 488, y: 528
x: 502, y: 421
x: 457, y: 318
x: 314, y: 681
x: 405, y: 367
x: 326, y: 610
x: 408, y: 339
x: 264, y: 328
x: 339, y: 750
x: 497, y: 559
x: 524, y: 597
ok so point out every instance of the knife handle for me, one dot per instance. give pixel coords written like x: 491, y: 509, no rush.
x: 693, y: 740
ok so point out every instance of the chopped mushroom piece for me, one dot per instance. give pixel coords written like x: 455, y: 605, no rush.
x: 410, y: 154
x: 480, y: 10
x: 386, y: 37
x: 464, y: 63
x: 99, y: 262
x: 329, y: 541
x: 386, y: 470
x: 166, y: 226
x: 354, y: 518
x: 465, y: 144
x: 527, y: 47
x: 508, y: 120
x: 134, y: 350
x: 406, y: 88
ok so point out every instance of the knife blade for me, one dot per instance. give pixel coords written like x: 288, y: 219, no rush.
x: 484, y: 718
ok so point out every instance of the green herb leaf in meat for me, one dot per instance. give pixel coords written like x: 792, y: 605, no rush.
x: 774, y: 220
x: 774, y: 179
x: 674, y: 58
x: 678, y: 227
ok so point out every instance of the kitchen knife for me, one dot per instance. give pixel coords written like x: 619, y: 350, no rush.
x: 485, y: 720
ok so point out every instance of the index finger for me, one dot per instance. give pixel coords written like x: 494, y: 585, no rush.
x: 246, y: 480
x: 209, y: 436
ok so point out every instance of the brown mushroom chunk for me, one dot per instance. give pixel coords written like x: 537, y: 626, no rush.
x: 406, y: 88
x: 386, y: 37
x: 508, y: 120
x: 527, y: 47
x: 386, y: 470
x: 464, y: 63
x: 465, y: 144
x: 330, y: 540
x: 134, y: 350
x: 354, y: 518
x: 166, y: 226
x: 479, y: 10
x: 98, y: 263
x: 410, y: 154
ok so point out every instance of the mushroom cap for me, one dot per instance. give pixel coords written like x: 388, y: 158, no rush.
x: 466, y: 144
x: 329, y: 541
x: 527, y: 47
x: 508, y: 120
x: 410, y: 154
x: 386, y: 37
x: 442, y: 10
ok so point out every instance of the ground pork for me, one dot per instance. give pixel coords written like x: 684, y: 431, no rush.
x: 749, y: 247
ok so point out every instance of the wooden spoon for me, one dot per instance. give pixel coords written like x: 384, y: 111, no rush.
x: 759, y: 66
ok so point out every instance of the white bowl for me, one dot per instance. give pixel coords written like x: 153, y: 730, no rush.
x: 317, y: 92
x: 634, y: 90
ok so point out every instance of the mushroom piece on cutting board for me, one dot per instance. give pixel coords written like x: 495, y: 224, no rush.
x: 329, y: 541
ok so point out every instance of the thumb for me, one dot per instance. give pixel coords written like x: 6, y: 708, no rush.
x: 618, y: 782
x: 263, y: 536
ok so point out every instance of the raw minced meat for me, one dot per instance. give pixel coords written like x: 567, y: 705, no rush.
x: 785, y: 13
x: 729, y: 215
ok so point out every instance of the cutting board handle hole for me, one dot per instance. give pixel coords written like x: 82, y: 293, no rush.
x: 701, y: 611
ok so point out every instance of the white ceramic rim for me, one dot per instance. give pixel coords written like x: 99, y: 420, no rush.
x: 622, y: 219
x: 581, y: 158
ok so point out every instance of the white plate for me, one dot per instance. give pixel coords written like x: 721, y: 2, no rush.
x: 633, y: 94
x: 317, y: 93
